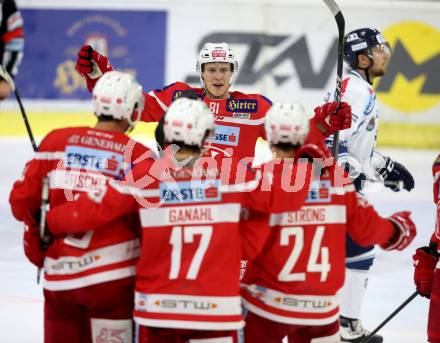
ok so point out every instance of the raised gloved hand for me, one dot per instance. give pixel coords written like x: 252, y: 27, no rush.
x: 31, y: 245
x: 405, y: 231
x: 90, y: 64
x: 332, y: 117
x: 396, y: 176
x: 425, y: 259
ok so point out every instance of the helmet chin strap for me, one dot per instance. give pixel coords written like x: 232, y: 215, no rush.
x: 366, y: 70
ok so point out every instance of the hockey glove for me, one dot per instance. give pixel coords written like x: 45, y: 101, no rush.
x: 436, y: 186
x: 316, y: 151
x: 31, y: 245
x: 329, y: 118
x: 425, y: 259
x: 396, y: 176
x: 404, y: 233
x: 90, y: 64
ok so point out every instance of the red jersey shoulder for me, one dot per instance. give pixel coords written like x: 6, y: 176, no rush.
x: 174, y: 90
x: 58, y: 138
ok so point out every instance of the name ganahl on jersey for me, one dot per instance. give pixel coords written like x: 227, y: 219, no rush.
x: 195, y: 218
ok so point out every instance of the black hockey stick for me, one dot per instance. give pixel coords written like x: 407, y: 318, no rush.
x: 340, y: 21
x: 5, y: 75
x: 396, y: 311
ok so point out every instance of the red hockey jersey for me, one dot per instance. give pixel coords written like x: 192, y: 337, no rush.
x: 436, y: 189
x: 295, y: 278
x: 78, y: 160
x: 239, y: 119
x: 188, y: 272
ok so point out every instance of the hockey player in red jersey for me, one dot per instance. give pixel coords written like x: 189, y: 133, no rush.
x: 427, y: 267
x: 290, y: 288
x: 187, y: 286
x: 239, y: 117
x: 88, y: 277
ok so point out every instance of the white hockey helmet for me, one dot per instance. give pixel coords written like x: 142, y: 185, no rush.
x: 188, y: 121
x: 287, y: 123
x: 216, y: 52
x: 118, y: 95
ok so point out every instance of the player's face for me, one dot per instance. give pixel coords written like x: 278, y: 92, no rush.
x: 217, y: 79
x: 381, y: 57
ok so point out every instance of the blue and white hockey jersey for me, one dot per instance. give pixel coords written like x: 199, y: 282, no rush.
x: 357, y: 143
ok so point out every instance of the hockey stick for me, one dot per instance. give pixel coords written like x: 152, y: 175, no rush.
x: 5, y: 75
x: 44, y: 237
x: 396, y: 311
x: 340, y: 21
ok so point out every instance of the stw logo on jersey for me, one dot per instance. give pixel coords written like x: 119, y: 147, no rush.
x: 319, y: 191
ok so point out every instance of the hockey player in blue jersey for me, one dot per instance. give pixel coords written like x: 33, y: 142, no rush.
x: 367, y: 53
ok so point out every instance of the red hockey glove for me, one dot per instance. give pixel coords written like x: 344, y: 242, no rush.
x: 316, y: 151
x: 90, y: 64
x: 329, y: 118
x: 405, y: 231
x: 31, y: 245
x: 425, y: 259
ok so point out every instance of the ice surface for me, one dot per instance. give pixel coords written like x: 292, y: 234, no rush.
x: 21, y: 301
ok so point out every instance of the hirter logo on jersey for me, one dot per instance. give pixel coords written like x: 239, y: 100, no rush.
x: 190, y: 191
x: 227, y: 135
x: 319, y: 191
x: 242, y: 105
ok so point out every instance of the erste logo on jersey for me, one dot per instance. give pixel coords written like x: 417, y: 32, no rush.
x: 226, y: 135
x: 242, y: 105
x: 190, y: 191
x: 319, y: 191
x: 93, y: 159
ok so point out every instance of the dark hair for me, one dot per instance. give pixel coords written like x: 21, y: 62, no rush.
x: 107, y: 118
x: 286, y: 147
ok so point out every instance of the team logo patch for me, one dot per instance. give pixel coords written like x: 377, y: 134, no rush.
x: 319, y: 191
x: 227, y: 135
x: 242, y: 105
x: 218, y: 53
x: 370, y: 103
x: 371, y: 124
x: 93, y: 159
x: 190, y: 191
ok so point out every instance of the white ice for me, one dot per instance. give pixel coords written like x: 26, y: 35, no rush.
x: 21, y: 301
